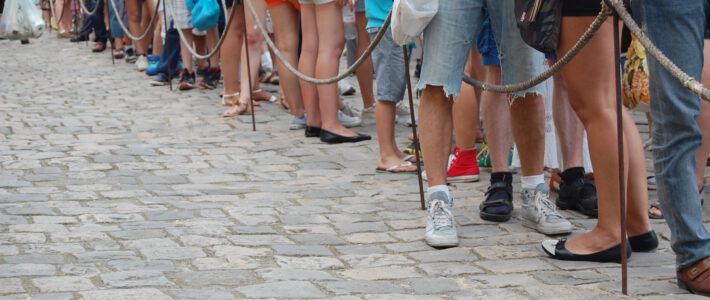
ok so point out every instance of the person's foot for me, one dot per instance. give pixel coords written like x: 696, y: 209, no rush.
x: 498, y: 205
x: 98, y: 48
x: 153, y: 61
x: 298, y: 123
x: 335, y: 138
x: 440, y: 229
x: 577, y: 193
x: 345, y: 88
x: 141, y: 63
x: 131, y: 55
x: 540, y: 213
x: 464, y: 167
x: 187, y: 80
x: 557, y: 249
x: 119, y: 53
x: 161, y: 79
x: 696, y: 278
x: 79, y: 38
x: 349, y: 121
x: 211, y: 78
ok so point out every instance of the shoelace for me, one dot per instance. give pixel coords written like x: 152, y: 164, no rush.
x: 545, y: 206
x: 441, y: 216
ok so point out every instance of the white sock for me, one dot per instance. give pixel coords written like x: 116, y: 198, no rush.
x: 438, y: 188
x: 531, y: 182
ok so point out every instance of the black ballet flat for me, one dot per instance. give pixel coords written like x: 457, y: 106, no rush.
x: 556, y: 249
x: 333, y: 138
x: 312, y: 131
x: 646, y: 242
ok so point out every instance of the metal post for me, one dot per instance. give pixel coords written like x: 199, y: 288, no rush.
x: 417, y: 148
x: 246, y: 49
x: 110, y: 35
x: 620, y: 140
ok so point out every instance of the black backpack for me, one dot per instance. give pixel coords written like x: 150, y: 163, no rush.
x: 539, y: 22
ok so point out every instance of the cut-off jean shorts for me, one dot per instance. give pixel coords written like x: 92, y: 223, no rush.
x: 452, y: 32
x: 388, y: 61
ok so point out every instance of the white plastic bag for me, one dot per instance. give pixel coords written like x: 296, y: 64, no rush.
x: 410, y: 17
x: 21, y: 20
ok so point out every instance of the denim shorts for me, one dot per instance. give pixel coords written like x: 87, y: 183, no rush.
x: 359, y: 6
x: 450, y: 36
x: 388, y: 60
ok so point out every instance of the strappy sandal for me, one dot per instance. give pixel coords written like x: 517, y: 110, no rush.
x: 283, y: 102
x: 119, y: 53
x: 227, y: 96
x: 99, y: 47
x: 242, y: 108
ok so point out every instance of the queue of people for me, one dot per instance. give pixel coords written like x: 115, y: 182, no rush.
x: 465, y: 37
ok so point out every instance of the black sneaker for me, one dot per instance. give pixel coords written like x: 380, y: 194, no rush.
x: 187, y: 80
x: 577, y: 193
x: 211, y: 78
x: 160, y: 79
x: 498, y: 205
x: 202, y: 71
x: 131, y: 55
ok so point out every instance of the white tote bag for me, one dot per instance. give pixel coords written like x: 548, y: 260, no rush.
x: 410, y: 17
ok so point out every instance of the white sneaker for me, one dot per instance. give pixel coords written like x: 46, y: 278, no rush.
x: 440, y: 227
x: 141, y: 63
x: 349, y: 121
x: 370, y: 109
x: 345, y: 88
x: 541, y: 214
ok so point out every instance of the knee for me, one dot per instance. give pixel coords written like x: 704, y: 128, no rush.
x: 254, y: 37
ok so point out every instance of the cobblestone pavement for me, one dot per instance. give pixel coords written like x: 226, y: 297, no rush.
x: 112, y: 189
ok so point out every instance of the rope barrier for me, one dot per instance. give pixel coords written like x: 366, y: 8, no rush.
x: 87, y: 11
x: 221, y: 38
x: 128, y: 32
x: 556, y: 67
x: 686, y: 80
x: 305, y: 77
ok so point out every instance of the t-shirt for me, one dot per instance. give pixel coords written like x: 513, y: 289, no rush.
x: 376, y: 12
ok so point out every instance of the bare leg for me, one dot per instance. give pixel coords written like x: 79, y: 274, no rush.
x: 436, y: 125
x: 569, y: 129
x: 253, y: 40
x: 307, y: 64
x: 496, y: 122
x: 465, y: 113
x: 593, y: 100
x: 184, y: 53
x: 329, y: 25
x: 231, y: 52
x: 364, y: 72
x: 390, y: 155
x: 201, y: 47
x: 704, y: 124
x: 285, y: 20
x: 133, y: 9
x: 212, y: 37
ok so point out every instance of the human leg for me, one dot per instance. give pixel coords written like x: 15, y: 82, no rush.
x: 134, y: 11
x: 231, y: 53
x: 307, y: 66
x: 285, y: 20
x: 364, y: 72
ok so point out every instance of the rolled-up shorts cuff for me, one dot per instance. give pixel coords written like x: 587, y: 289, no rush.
x: 388, y: 62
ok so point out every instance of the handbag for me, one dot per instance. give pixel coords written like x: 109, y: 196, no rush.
x: 540, y: 22
x: 410, y: 18
x: 21, y: 20
x: 635, y: 88
x: 205, y: 13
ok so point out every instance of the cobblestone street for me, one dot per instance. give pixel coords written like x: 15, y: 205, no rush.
x: 113, y: 189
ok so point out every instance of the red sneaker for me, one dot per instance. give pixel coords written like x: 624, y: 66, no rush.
x: 464, y: 166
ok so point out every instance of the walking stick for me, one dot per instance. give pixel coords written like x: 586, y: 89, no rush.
x: 110, y: 36
x: 417, y: 149
x: 165, y: 45
x: 620, y: 140
x: 246, y: 49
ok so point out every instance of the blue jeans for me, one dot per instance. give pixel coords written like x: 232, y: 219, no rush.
x: 170, y: 57
x: 676, y: 136
x: 116, y: 30
x: 95, y: 22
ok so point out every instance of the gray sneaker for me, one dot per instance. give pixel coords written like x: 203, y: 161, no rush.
x: 440, y: 227
x: 541, y: 214
x: 298, y: 123
x: 349, y: 121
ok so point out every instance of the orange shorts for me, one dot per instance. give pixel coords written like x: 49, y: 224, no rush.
x: 274, y: 3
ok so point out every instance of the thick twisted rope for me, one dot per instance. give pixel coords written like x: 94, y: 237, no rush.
x: 87, y: 11
x: 556, y: 67
x: 305, y: 77
x: 128, y: 32
x: 213, y: 51
x: 686, y: 80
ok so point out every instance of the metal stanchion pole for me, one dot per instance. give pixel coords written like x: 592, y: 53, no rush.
x: 110, y: 35
x: 246, y: 49
x: 620, y: 140
x: 417, y: 148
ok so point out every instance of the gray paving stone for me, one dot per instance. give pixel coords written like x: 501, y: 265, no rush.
x: 21, y: 270
x: 11, y: 286
x: 216, y: 277
x: 62, y: 284
x: 362, y: 287
x: 212, y: 293
x: 174, y: 253
x: 127, y: 279
x: 302, y: 250
x: 290, y: 274
x: 380, y: 273
x: 125, y: 294
x: 433, y: 285
x: 282, y: 289
x: 35, y: 258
